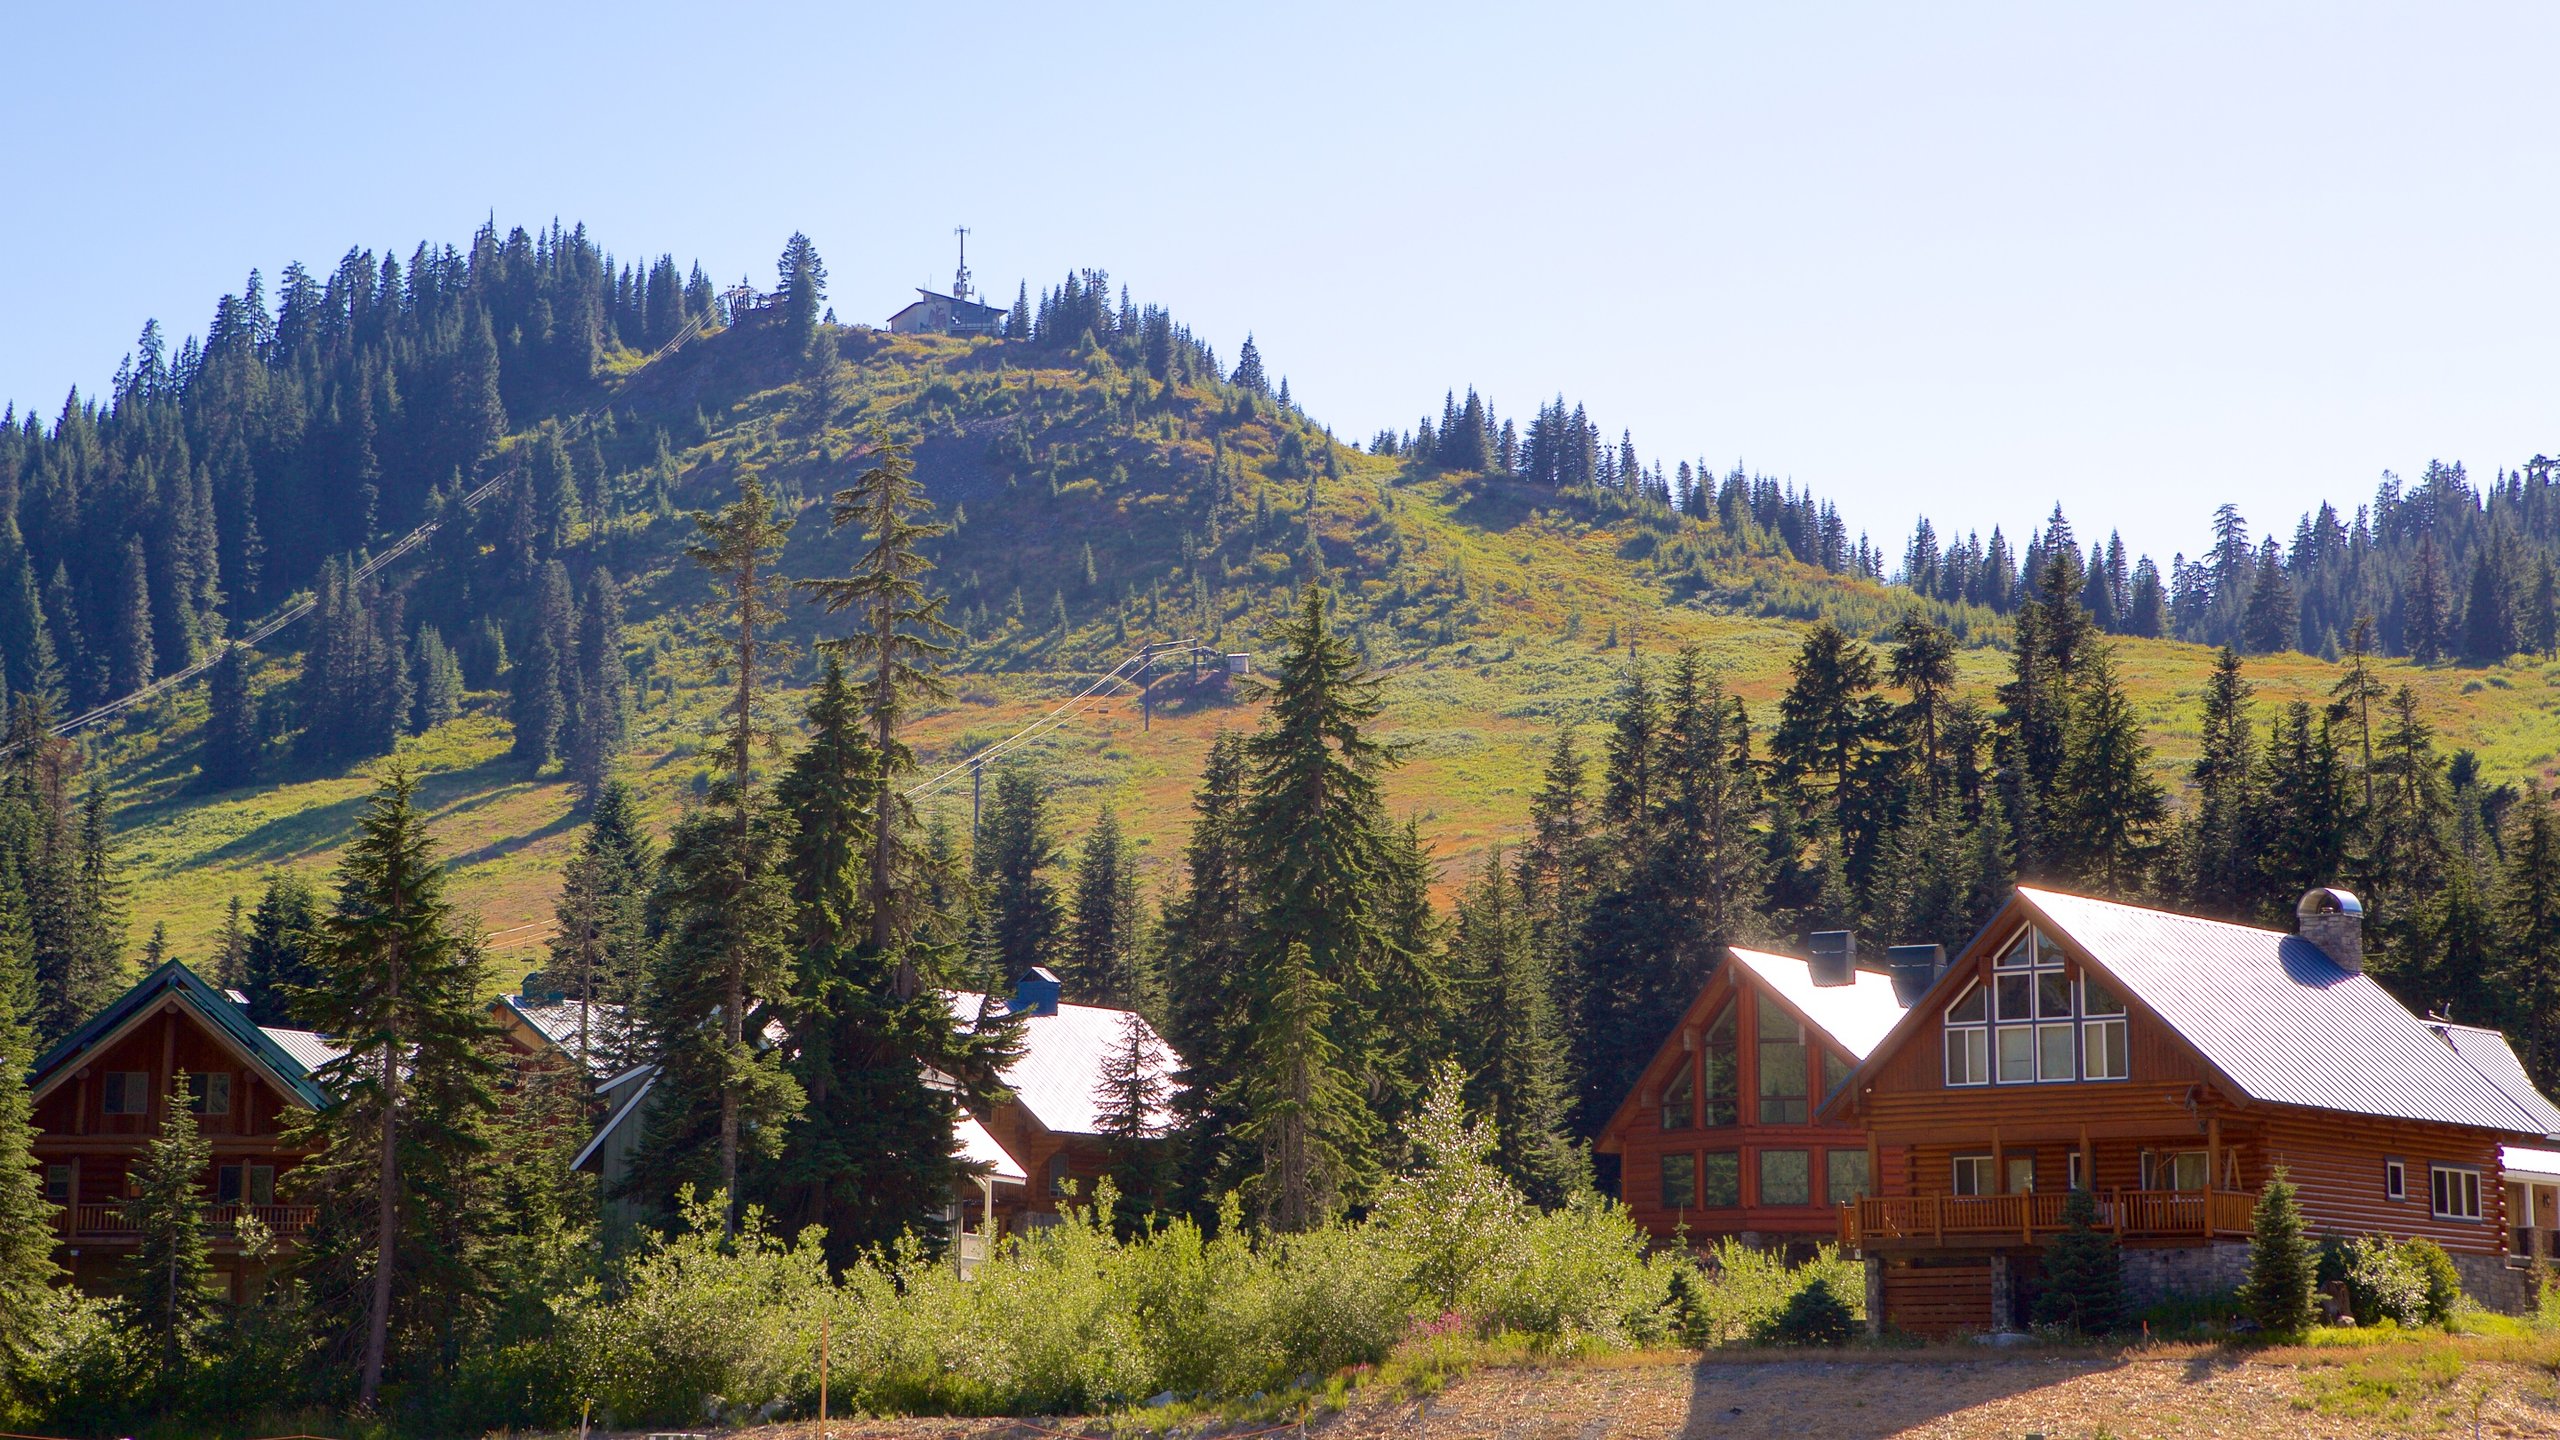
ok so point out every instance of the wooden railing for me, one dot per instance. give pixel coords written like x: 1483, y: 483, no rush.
x: 1991, y: 1219
x: 116, y: 1221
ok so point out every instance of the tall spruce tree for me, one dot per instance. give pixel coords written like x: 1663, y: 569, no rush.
x: 234, y: 732
x: 1131, y: 1099
x: 1312, y: 1129
x: 398, y: 986
x: 1205, y: 940
x: 2215, y: 849
x: 1016, y: 850
x: 2528, y: 917
x: 543, y: 678
x: 166, y: 1276
x: 597, y: 731
x: 1104, y: 958
x: 27, y: 1268
x: 282, y: 954
x: 600, y: 940
x: 803, y: 285
x: 1513, y: 1051
x: 2108, y: 805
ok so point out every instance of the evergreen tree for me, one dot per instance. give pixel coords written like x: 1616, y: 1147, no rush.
x: 2215, y: 848
x: 234, y: 731
x: 1922, y: 665
x: 2279, y: 1292
x: 598, y: 728
x: 1104, y: 956
x: 399, y: 987
x: 282, y: 954
x: 803, y: 286
x: 2273, y: 621
x: 1302, y: 1113
x: 439, y: 680
x: 2083, y: 1273
x: 2528, y: 920
x: 1014, y: 855
x: 2108, y: 804
x: 599, y: 946
x: 1134, y: 1120
x: 172, y: 1261
x: 2306, y: 818
x: 1206, y: 939
x: 134, y: 658
x: 27, y: 1269
x: 1513, y: 1051
x: 541, y: 678
x: 231, y: 951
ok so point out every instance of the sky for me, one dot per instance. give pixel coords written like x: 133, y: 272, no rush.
x: 1970, y: 261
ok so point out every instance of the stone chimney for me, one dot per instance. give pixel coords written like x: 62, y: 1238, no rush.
x: 2333, y: 920
x: 1835, y: 957
x: 1914, y: 968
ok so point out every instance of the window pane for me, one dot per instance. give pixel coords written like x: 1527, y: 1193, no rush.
x: 2188, y: 1172
x: 2053, y: 996
x: 2017, y: 1054
x: 2021, y: 952
x: 1844, y: 1175
x: 1785, y: 1073
x: 1722, y: 1174
x: 2022, y: 1175
x: 2106, y: 1050
x: 1676, y: 1097
x: 57, y: 1184
x: 1968, y: 1053
x: 1777, y: 1024
x: 1967, y: 1010
x: 1972, y: 1174
x: 1835, y: 1071
x: 1679, y: 1182
x: 1720, y: 1102
x: 2053, y: 1052
x: 2047, y: 953
x: 1786, y: 1177
x: 2017, y: 997
x: 2097, y: 999
x: 226, y: 1185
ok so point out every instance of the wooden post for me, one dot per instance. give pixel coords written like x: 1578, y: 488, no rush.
x: 822, y: 1369
x: 2212, y: 1172
x: 1938, y: 1219
x: 2088, y: 1162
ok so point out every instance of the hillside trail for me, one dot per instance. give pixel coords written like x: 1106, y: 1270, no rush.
x: 1862, y: 1397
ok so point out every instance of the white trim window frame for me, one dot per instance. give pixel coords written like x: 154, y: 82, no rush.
x: 2395, y: 1179
x: 2106, y: 1032
x: 1968, y: 1038
x: 2453, y: 1192
x: 2034, y: 1039
x: 1975, y: 1171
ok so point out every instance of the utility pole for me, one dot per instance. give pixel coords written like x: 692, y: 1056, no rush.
x: 977, y: 781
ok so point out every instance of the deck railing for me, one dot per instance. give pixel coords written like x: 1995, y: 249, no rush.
x: 1992, y: 1219
x: 117, y: 1221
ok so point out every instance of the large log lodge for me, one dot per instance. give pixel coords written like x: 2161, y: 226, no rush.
x: 1930, y: 1116
x: 2165, y: 1063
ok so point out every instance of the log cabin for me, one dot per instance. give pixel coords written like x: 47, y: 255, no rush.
x: 1719, y: 1137
x: 99, y: 1099
x: 2169, y: 1065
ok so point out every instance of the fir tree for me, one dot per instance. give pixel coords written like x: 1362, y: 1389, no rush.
x: 438, y: 678
x: 1132, y: 1114
x: 400, y: 988
x: 27, y: 1269
x: 2279, y: 1292
x: 1514, y: 1052
x: 803, y: 286
x: 2215, y: 847
x: 1304, y: 1116
x: 1206, y: 938
x: 2083, y: 1273
x: 598, y: 728
x: 282, y: 954
x: 2108, y: 804
x: 599, y: 946
x: 2528, y: 918
x: 134, y: 658
x: 231, y: 951
x: 541, y: 677
x: 1014, y: 855
x: 172, y: 1261
x: 1104, y: 953
x: 234, y: 731
x: 2272, y: 622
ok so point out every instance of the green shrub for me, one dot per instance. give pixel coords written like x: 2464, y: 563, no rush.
x: 1744, y: 1293
x: 2383, y: 1284
x: 2083, y: 1273
x: 2278, y: 1295
x: 1814, y: 1315
x: 2435, y: 1268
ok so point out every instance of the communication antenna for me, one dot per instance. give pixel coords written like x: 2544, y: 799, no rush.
x: 960, y: 282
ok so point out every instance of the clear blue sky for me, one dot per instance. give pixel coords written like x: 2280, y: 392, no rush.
x: 1962, y: 260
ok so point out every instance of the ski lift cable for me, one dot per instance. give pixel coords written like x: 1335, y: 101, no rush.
x: 305, y: 606
x: 1065, y: 711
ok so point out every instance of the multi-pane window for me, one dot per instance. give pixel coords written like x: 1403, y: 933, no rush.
x: 2102, y: 1032
x: 1679, y: 1182
x: 1784, y: 1076
x: 262, y: 1184
x: 2176, y: 1170
x: 1058, y: 1182
x: 1844, y: 1176
x: 209, y: 1093
x: 226, y: 1185
x: 1786, y: 1177
x: 1973, y: 1175
x: 2456, y: 1192
x: 1720, y: 1179
x: 1720, y: 1061
x: 1835, y: 1072
x: 2022, y: 1175
x: 1679, y: 1100
x: 57, y: 1184
x: 128, y: 1092
x: 1969, y: 1038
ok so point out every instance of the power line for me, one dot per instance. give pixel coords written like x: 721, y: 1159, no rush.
x: 1066, y: 710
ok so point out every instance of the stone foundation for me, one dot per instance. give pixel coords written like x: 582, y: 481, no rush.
x: 2495, y: 1284
x: 2181, y: 1272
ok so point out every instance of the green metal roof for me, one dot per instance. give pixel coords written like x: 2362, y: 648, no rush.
x: 218, y: 1011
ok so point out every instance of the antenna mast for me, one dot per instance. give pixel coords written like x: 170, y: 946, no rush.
x: 960, y: 283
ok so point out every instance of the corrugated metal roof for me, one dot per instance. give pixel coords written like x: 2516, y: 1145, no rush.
x: 2489, y: 1053
x: 1856, y: 1015
x: 979, y: 1150
x: 1059, y: 1075
x: 2279, y: 1017
x: 558, y: 1023
x: 305, y: 1046
x: 2536, y: 1164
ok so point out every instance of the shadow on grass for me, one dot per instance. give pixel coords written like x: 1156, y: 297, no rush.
x: 1864, y: 1394
x: 322, y: 827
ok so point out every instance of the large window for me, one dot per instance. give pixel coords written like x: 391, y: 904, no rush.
x: 2022, y: 1175
x: 1844, y: 1175
x: 128, y: 1092
x: 1720, y: 1179
x: 1784, y: 1072
x: 2102, y: 1032
x: 1973, y: 1175
x: 1786, y: 1177
x: 2456, y: 1192
x: 2174, y: 1170
x: 1679, y: 1100
x: 209, y: 1093
x: 1969, y: 1038
x: 1835, y: 1072
x: 1679, y: 1182
x: 57, y: 1184
x: 1721, y: 1063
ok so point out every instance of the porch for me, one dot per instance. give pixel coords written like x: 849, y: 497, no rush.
x: 114, y: 1224
x: 1910, y: 1222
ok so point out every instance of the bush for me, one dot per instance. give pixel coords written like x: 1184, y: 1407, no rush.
x: 2443, y: 1282
x: 2382, y: 1283
x: 1744, y: 1294
x: 1815, y: 1315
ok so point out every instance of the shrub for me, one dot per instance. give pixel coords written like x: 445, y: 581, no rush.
x: 2443, y: 1282
x: 2083, y: 1273
x: 1815, y: 1315
x: 2382, y: 1283
x: 2278, y: 1295
x: 1744, y: 1293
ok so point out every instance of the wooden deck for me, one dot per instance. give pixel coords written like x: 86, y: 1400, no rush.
x: 1923, y: 1221
x: 114, y: 1224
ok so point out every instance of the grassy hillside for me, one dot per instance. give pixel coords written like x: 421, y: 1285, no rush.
x: 1137, y: 510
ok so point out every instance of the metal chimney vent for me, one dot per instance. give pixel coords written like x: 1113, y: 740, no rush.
x: 1835, y: 957
x: 1915, y: 968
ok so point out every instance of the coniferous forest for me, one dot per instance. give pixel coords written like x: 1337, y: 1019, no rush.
x: 1367, y: 1044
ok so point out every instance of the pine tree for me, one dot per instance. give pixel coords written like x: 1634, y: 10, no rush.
x: 133, y: 656
x: 1132, y: 1115
x: 438, y: 678
x: 234, y: 731
x: 1206, y: 939
x: 2273, y: 621
x: 231, y: 951
x: 2083, y: 1273
x: 803, y: 286
x: 2108, y: 804
x: 1513, y: 1052
x: 2528, y: 918
x: 599, y: 727
x: 541, y: 679
x: 2282, y: 1263
x: 400, y: 988
x: 172, y: 1261
x: 1013, y: 857
x: 1104, y: 954
x: 599, y: 946
x: 1303, y: 1113
x: 282, y: 954
x: 2215, y: 849
x: 2307, y: 813
x: 27, y: 1269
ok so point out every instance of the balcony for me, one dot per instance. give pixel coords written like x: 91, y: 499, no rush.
x: 113, y: 1224
x: 1921, y: 1221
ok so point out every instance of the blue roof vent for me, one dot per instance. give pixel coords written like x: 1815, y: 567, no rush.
x: 1835, y: 957
x: 1036, y: 993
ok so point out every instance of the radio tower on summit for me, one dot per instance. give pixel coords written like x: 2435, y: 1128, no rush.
x: 960, y: 282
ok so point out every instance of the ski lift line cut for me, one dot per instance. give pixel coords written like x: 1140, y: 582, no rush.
x: 1066, y: 710
x: 300, y: 608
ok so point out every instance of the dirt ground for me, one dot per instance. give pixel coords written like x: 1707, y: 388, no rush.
x: 2133, y: 1397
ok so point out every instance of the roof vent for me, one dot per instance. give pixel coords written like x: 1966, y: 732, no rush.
x: 1915, y: 968
x: 1036, y: 993
x: 1835, y: 957
x: 2334, y: 920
